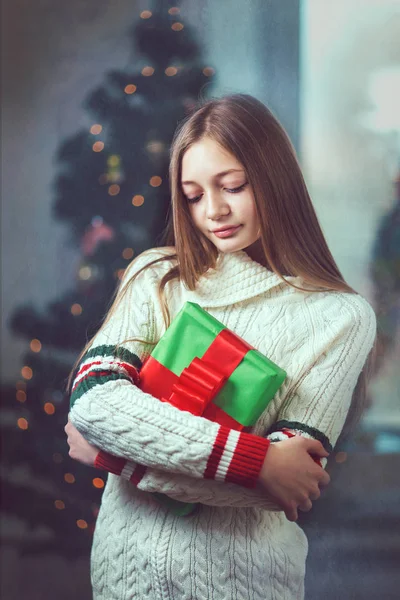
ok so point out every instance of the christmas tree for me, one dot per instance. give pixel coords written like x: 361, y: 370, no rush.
x: 112, y: 190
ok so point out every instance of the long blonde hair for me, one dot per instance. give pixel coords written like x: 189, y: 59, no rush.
x: 291, y: 237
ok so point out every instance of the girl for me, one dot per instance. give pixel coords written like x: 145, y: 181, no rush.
x: 244, y: 243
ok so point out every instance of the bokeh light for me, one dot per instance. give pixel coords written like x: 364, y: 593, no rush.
x: 76, y: 309
x: 98, y: 482
x: 155, y: 181
x: 81, y: 523
x: 49, y: 408
x: 22, y: 423
x: 174, y: 10
x: 98, y: 146
x: 341, y: 457
x: 35, y: 345
x: 127, y: 253
x: 113, y: 160
x: 171, y: 71
x: 137, y: 200
x: 147, y: 71
x: 59, y: 504
x: 21, y: 396
x: 26, y: 372
x: 114, y: 189
x: 208, y: 71
x: 130, y: 88
x: 96, y: 129
x: 85, y: 273
x: 146, y: 14
x: 177, y: 26
x: 69, y: 478
x: 155, y: 146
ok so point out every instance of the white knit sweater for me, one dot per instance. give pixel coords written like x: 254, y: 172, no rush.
x: 237, y: 545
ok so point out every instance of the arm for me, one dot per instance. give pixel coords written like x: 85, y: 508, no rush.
x: 292, y: 473
x: 315, y: 409
x: 318, y: 404
x: 118, y: 418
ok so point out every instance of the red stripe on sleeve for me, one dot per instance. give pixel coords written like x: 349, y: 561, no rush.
x: 247, y: 460
x: 216, y: 453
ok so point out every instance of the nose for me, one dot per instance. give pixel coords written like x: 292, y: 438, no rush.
x: 216, y: 206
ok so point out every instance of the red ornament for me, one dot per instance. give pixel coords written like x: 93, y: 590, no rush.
x: 94, y: 235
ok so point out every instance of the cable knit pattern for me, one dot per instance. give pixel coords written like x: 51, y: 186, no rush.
x: 237, y: 545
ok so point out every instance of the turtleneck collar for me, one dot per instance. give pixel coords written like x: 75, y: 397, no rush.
x: 236, y: 277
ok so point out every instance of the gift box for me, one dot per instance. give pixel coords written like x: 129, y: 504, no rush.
x: 202, y: 367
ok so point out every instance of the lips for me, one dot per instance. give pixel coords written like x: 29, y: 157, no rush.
x: 225, y: 228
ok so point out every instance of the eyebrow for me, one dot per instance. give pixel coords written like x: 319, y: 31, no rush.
x: 218, y: 175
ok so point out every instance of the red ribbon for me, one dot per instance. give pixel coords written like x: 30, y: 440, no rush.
x: 201, y: 381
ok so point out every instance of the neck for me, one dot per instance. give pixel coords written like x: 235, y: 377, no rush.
x: 256, y: 253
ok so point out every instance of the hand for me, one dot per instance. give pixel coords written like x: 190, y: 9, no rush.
x: 291, y: 476
x: 79, y: 448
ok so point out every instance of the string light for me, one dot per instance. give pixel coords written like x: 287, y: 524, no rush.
x: 174, y: 10
x: 49, y: 408
x: 20, y: 396
x: 341, y: 457
x: 97, y: 221
x: 98, y: 146
x: 35, y: 345
x: 69, y: 478
x: 146, y: 14
x: 81, y: 523
x: 147, y: 71
x: 177, y: 26
x: 171, y: 71
x: 155, y: 181
x: 130, y: 88
x: 26, y: 372
x: 127, y: 253
x: 137, y: 200
x: 22, y: 423
x: 96, y: 129
x: 98, y: 482
x: 76, y: 309
x: 113, y: 160
x: 208, y: 71
x: 155, y: 146
x: 120, y: 273
x: 85, y: 273
x: 59, y: 504
x: 114, y: 189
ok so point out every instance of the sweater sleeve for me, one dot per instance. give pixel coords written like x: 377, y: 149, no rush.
x: 113, y: 414
x: 185, y: 488
x: 318, y: 403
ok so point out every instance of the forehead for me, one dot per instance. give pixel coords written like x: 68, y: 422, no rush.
x: 206, y: 159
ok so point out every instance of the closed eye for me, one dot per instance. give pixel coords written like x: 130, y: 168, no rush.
x: 230, y: 190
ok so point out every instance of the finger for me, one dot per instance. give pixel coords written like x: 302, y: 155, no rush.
x: 291, y: 513
x: 306, y: 505
x: 315, y: 447
x: 324, y: 479
x: 315, y: 494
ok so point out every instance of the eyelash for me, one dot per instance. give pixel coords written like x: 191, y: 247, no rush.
x: 231, y: 191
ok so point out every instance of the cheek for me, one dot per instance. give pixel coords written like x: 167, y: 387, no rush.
x: 194, y: 214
